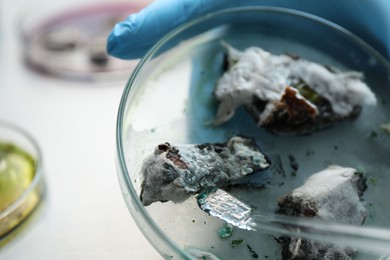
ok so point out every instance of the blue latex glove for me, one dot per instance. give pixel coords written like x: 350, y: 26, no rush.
x: 369, y: 19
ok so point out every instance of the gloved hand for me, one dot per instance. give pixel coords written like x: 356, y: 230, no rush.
x: 368, y: 19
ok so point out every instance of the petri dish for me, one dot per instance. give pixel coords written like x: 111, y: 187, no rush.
x: 71, y: 43
x: 168, y: 98
x: 21, y: 177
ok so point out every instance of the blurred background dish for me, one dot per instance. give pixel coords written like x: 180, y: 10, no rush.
x: 71, y: 42
x: 169, y: 99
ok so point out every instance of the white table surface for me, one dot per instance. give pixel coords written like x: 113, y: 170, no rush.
x: 83, y: 215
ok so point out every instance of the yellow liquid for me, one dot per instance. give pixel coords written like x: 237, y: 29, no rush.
x: 17, y: 170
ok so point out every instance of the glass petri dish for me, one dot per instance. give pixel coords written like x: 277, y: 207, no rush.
x: 71, y: 43
x: 168, y: 98
x: 21, y: 177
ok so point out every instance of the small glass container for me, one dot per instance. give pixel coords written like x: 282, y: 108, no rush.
x: 21, y: 177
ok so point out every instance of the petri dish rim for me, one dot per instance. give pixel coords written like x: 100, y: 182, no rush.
x: 121, y: 163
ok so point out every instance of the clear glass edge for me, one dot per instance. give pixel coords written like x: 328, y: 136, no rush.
x: 155, y: 48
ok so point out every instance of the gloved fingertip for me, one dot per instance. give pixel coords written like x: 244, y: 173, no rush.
x: 118, y: 41
x: 111, y: 45
x: 127, y: 40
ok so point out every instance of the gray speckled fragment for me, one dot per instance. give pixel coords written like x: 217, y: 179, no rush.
x: 173, y: 173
